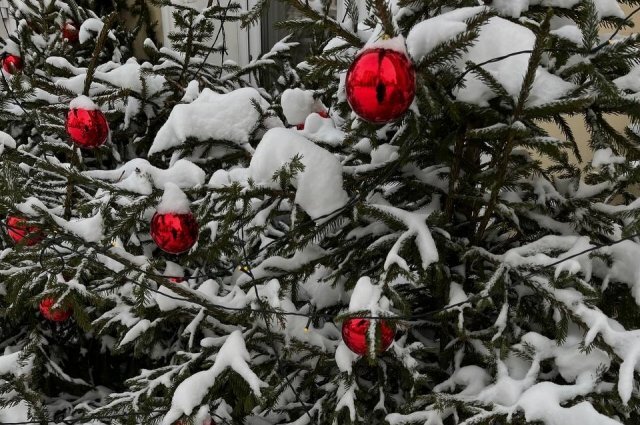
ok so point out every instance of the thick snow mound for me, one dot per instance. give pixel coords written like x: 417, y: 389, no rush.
x: 229, y: 116
x: 427, y: 35
x: 498, y: 37
x: 319, y: 185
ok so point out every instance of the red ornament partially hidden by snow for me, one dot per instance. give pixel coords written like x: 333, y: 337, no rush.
x: 354, y: 334
x: 59, y: 314
x: 70, y: 32
x: 88, y: 128
x: 174, y: 233
x: 12, y: 64
x: 323, y: 114
x: 381, y: 85
x: 19, y: 231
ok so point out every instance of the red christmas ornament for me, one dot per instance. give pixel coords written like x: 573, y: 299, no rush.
x: 176, y: 279
x: 174, y: 233
x: 19, y: 231
x: 354, y: 334
x: 88, y: 128
x: 381, y: 85
x: 70, y: 32
x: 60, y: 314
x: 12, y: 64
x: 323, y: 114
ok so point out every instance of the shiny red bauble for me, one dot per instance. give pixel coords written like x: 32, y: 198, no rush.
x: 174, y: 233
x: 12, y: 64
x: 323, y: 114
x: 87, y: 128
x: 70, y: 32
x: 59, y: 314
x: 381, y: 85
x: 19, y: 231
x: 176, y: 279
x: 354, y: 334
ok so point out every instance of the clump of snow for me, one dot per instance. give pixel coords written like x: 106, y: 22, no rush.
x: 571, y: 33
x: 90, y: 28
x: 229, y: 117
x: 319, y: 186
x: 192, y: 92
x: 132, y: 175
x: 90, y: 229
x: 322, y: 130
x: 190, y: 393
x: 631, y: 81
x: 173, y: 201
x: 428, y: 34
x: 297, y: 104
x: 501, y: 37
x: 6, y: 141
x: 83, y: 102
x: 498, y: 37
x: 605, y: 157
x: 367, y: 297
x: 129, y: 76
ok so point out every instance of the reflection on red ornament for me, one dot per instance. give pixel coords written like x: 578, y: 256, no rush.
x: 354, y: 335
x: 323, y: 114
x: 59, y: 314
x: 12, y: 64
x: 88, y: 128
x: 70, y: 32
x: 381, y: 85
x: 176, y: 279
x: 19, y: 231
x: 174, y: 233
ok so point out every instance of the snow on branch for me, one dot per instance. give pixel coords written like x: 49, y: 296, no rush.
x: 416, y: 227
x: 190, y: 393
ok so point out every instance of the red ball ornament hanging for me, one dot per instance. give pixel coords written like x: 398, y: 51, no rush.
x: 12, y: 64
x: 59, y: 314
x: 381, y: 85
x: 19, y: 231
x: 70, y: 32
x: 87, y: 128
x: 174, y: 233
x: 354, y: 335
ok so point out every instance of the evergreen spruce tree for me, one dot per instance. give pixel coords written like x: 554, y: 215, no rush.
x: 503, y: 260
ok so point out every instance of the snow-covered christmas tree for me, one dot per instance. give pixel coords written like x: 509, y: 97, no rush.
x: 383, y: 233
